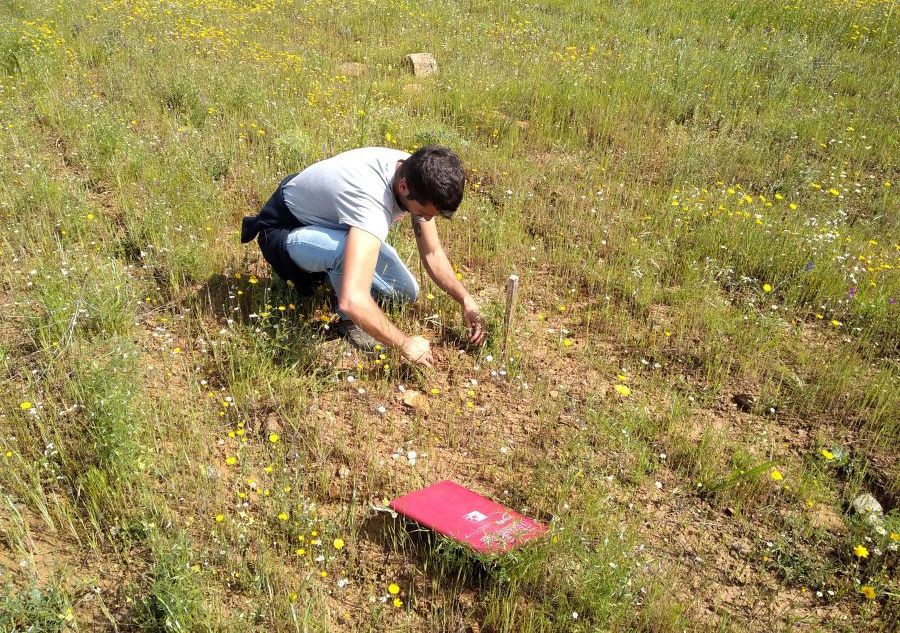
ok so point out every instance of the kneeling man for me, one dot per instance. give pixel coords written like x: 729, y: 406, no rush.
x: 332, y: 220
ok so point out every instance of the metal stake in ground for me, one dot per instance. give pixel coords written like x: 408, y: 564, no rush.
x: 512, y: 284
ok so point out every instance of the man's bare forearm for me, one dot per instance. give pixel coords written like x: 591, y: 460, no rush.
x: 441, y: 272
x: 365, y: 313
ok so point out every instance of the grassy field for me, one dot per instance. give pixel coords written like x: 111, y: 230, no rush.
x: 699, y: 198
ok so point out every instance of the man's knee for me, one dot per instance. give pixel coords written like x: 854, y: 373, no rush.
x: 409, y: 290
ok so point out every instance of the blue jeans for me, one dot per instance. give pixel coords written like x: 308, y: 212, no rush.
x: 319, y: 249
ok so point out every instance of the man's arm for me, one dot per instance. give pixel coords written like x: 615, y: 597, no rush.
x: 439, y: 269
x: 355, y: 297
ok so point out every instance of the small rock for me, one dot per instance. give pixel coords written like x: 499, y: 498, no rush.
x: 868, y: 506
x: 343, y: 472
x: 272, y: 425
x: 416, y: 401
x: 421, y: 64
x: 352, y: 69
x: 212, y: 473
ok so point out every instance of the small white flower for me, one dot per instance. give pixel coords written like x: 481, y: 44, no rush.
x: 381, y: 410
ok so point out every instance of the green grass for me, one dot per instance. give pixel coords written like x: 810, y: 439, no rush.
x: 700, y: 198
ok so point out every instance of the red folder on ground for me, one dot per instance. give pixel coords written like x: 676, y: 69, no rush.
x: 462, y: 515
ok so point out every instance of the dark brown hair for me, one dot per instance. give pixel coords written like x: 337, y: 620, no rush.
x: 434, y: 174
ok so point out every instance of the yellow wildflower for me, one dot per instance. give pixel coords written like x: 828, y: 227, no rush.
x: 338, y: 543
x: 622, y: 390
x: 231, y: 461
x: 776, y: 474
x: 767, y: 288
x: 868, y: 591
x: 861, y: 551
x: 25, y: 405
x: 393, y: 589
x: 273, y: 437
x: 283, y: 516
x: 827, y: 454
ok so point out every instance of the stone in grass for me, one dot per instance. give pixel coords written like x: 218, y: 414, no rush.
x: 352, y: 69
x: 271, y: 425
x: 416, y: 401
x: 868, y: 506
x: 421, y: 64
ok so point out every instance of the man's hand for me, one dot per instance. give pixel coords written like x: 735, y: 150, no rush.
x: 475, y: 325
x: 416, y: 349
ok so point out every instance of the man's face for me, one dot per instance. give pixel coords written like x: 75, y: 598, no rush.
x: 414, y: 207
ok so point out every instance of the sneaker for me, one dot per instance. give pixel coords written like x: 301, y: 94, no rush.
x: 354, y: 334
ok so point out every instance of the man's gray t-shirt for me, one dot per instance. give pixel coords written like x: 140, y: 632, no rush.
x: 353, y: 188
